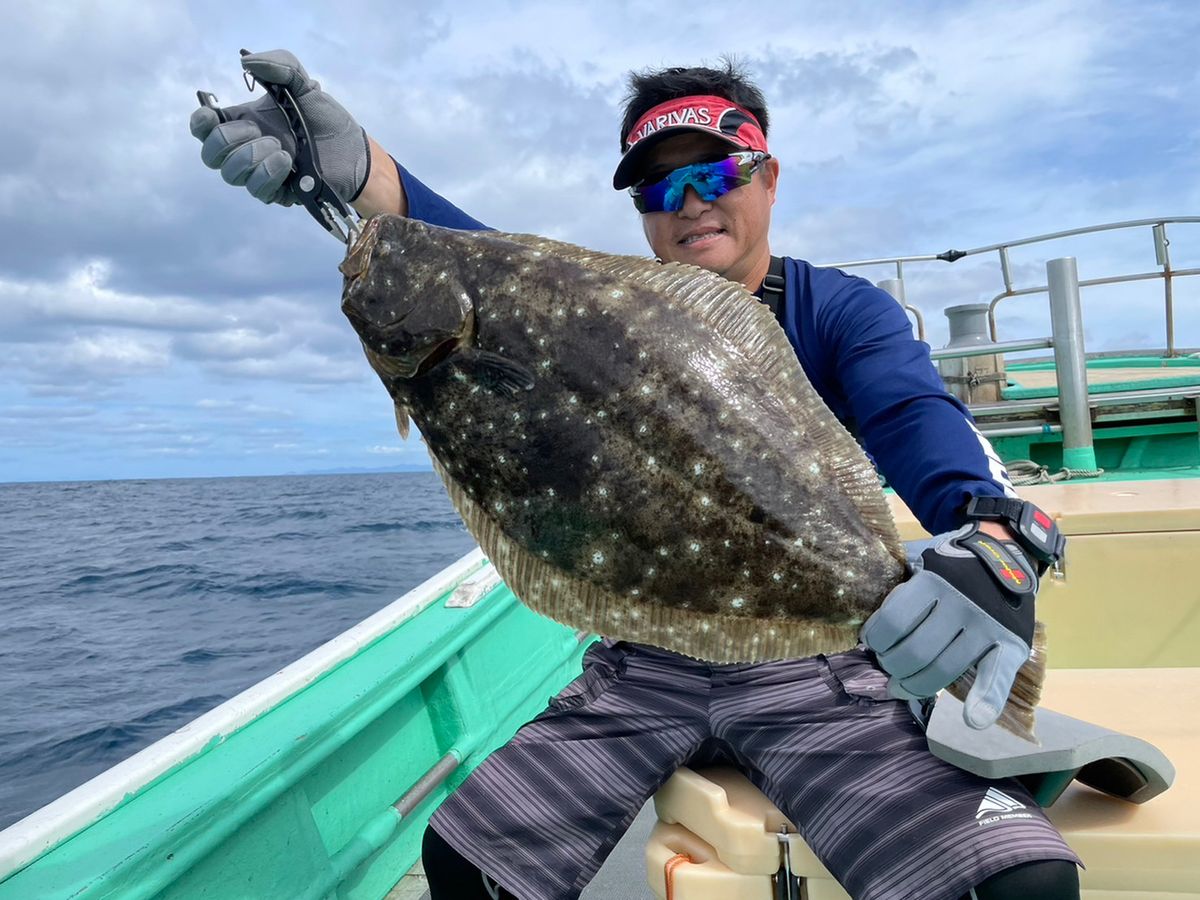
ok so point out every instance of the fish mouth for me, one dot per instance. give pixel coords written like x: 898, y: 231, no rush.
x: 358, y: 254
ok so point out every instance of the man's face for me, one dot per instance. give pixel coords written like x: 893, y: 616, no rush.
x: 727, y: 235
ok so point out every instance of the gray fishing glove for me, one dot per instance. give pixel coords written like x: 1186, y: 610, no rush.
x: 969, y: 603
x: 255, y: 147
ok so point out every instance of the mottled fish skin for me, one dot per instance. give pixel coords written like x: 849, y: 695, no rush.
x: 643, y: 456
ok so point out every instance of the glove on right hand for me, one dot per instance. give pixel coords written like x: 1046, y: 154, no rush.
x: 255, y: 148
x: 969, y: 603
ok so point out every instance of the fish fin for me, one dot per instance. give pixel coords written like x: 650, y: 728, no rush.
x: 729, y: 310
x: 498, y: 372
x: 402, y: 421
x: 1017, y: 717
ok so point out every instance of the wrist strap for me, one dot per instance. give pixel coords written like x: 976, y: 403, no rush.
x: 995, y: 508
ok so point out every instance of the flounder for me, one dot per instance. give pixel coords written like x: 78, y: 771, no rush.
x: 634, y: 445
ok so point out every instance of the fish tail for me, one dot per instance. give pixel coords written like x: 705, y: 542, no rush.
x: 1017, y: 717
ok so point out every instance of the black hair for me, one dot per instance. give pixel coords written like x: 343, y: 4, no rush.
x: 650, y: 87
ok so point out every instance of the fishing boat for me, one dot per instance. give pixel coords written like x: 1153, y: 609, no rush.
x: 318, y: 781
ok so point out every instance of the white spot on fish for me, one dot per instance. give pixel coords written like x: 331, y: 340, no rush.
x: 694, y: 546
x: 597, y: 557
x: 663, y: 551
x: 498, y: 506
x: 798, y: 542
x: 651, y: 462
x: 647, y: 390
x: 580, y: 311
x: 572, y: 399
x: 705, y: 500
x: 841, y: 591
x: 635, y: 593
x: 617, y: 294
x: 642, y: 354
x: 776, y: 576
x: 545, y: 363
x: 549, y: 492
x: 814, y: 468
x: 698, y: 468
x: 737, y: 602
x: 650, y: 572
x: 560, y: 313
x: 642, y: 429
x: 602, y: 491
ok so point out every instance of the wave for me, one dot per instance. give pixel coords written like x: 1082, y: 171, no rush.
x: 415, y: 525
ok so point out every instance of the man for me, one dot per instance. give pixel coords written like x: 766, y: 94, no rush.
x: 830, y: 740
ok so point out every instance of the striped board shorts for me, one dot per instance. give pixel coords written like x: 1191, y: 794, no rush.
x: 819, y: 736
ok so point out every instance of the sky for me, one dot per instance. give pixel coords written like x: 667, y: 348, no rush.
x: 156, y: 322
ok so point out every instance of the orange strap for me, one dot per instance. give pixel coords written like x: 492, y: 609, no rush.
x: 669, y: 869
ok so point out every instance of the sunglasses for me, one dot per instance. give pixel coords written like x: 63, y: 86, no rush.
x: 710, y: 180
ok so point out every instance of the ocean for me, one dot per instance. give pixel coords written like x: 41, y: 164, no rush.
x: 128, y: 608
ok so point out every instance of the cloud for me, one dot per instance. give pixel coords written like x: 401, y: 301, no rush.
x: 135, y: 283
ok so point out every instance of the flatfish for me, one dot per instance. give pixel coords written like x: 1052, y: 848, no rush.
x: 634, y: 445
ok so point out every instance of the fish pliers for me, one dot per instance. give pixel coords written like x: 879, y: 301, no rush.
x: 306, y: 179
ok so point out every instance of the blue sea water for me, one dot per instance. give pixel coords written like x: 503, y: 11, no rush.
x: 128, y: 608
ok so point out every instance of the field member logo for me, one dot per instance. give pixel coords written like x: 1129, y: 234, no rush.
x: 997, y: 806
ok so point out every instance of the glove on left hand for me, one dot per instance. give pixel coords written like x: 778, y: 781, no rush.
x: 969, y: 603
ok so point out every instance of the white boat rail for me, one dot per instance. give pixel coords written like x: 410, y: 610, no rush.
x: 1162, y: 255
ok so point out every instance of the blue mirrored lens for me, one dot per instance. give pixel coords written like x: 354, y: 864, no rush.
x: 709, y: 180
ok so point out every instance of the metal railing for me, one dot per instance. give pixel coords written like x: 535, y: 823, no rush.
x: 1063, y: 289
x: 1162, y: 256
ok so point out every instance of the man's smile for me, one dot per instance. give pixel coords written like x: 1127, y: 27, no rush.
x: 697, y: 235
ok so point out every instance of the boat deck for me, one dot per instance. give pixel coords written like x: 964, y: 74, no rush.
x: 1039, y: 380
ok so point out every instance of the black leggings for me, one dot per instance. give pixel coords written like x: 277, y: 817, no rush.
x: 452, y: 877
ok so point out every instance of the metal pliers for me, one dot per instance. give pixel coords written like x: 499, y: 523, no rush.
x: 321, y: 201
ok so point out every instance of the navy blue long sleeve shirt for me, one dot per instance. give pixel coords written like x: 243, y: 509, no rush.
x: 856, y: 346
